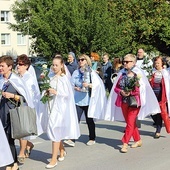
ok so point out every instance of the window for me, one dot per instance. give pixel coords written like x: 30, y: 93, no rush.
x: 5, y: 16
x: 5, y: 39
x: 21, y: 39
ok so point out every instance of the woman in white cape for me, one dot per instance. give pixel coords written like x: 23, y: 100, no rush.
x: 113, y: 112
x: 59, y: 117
x: 23, y: 64
x: 89, y: 95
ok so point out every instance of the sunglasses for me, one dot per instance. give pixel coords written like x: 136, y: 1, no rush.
x: 126, y: 62
x: 20, y: 64
x: 81, y: 59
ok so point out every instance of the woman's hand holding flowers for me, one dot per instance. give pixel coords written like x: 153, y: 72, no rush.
x: 124, y: 93
x: 52, y: 91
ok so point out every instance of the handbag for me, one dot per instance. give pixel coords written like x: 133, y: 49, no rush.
x: 131, y: 101
x: 23, y: 121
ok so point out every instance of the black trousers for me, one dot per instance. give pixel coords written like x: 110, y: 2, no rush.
x: 89, y: 121
x: 158, y: 122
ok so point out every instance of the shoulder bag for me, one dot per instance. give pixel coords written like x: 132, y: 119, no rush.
x: 131, y: 101
x: 23, y: 121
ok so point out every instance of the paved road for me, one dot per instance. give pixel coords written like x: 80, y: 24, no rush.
x: 153, y: 155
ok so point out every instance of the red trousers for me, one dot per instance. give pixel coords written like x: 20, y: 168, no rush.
x: 130, y: 115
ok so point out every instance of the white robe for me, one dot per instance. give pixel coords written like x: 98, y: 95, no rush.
x: 5, y: 152
x: 34, y: 91
x: 98, y: 98
x: 60, y: 121
x: 149, y: 103
x: 19, y: 85
x: 31, y: 70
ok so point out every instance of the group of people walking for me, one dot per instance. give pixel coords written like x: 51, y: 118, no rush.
x: 77, y: 87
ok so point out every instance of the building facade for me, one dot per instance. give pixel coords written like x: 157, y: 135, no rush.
x: 12, y: 42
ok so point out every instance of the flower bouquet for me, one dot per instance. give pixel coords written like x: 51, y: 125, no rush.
x: 45, y: 84
x: 130, y: 84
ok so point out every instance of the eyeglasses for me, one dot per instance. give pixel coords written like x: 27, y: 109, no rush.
x: 81, y: 59
x: 21, y: 64
x: 126, y: 62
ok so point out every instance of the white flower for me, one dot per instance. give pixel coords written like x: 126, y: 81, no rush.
x: 44, y: 66
x: 139, y: 76
x: 145, y: 54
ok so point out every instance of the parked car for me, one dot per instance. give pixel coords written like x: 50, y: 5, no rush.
x: 39, y: 62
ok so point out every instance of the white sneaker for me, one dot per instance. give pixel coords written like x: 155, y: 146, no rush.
x: 69, y: 142
x: 90, y: 142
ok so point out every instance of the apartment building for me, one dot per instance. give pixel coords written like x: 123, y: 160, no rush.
x: 12, y: 42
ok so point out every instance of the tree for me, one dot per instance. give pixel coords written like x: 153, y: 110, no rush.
x: 144, y: 24
x: 82, y: 26
x: 64, y: 25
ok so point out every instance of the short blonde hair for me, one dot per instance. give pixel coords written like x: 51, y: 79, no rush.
x: 133, y: 57
x: 87, y: 59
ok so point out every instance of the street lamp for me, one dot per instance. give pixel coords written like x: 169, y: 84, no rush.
x: 28, y: 50
x: 27, y: 33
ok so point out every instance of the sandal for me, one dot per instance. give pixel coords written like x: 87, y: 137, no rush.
x: 28, y: 151
x: 21, y: 159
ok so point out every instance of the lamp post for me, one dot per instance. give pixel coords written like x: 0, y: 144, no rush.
x: 28, y: 50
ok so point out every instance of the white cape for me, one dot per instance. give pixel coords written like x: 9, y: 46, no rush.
x: 61, y: 122
x: 149, y: 103
x: 19, y: 85
x: 5, y: 152
x: 31, y: 70
x: 98, y: 98
x: 32, y: 86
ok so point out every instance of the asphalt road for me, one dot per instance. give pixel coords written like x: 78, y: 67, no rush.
x: 104, y: 155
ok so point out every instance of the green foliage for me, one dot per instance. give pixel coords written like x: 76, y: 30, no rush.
x: 82, y: 26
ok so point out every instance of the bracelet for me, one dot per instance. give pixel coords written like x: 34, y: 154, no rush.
x: 16, y: 97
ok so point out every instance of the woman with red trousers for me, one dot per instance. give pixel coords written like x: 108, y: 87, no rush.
x: 131, y: 81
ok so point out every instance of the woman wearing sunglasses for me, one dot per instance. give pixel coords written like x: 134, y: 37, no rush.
x: 118, y: 108
x: 89, y: 95
x: 23, y: 64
